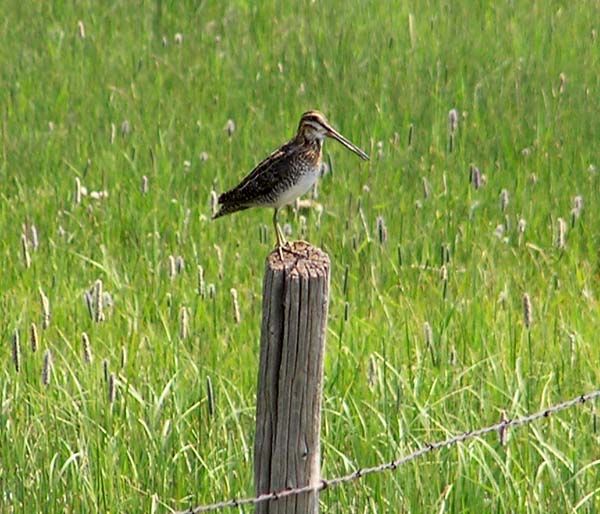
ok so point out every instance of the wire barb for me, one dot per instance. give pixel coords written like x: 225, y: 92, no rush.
x: 393, y: 465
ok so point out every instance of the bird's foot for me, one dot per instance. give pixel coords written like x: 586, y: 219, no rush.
x: 287, y: 248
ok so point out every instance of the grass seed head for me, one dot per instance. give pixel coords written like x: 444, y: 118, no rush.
x: 16, y: 351
x: 303, y: 225
x: 99, y: 302
x: 179, y: 264
x: 527, y: 311
x: 235, y: 305
x: 212, y: 291
x: 562, y: 82
x: 112, y: 388
x: 25, y: 251
x: 475, y: 177
x: 452, y: 356
x: 47, y: 368
x: 184, y: 323
x: 107, y: 299
x: 504, y: 199
x: 444, y: 253
x: 503, y: 297
x: 105, y: 369
x: 561, y: 231
x: 452, y: 120
x: 229, y: 127
x: 219, y: 253
x: 210, y: 394
x: 45, y: 310
x: 78, y: 191
x: 87, y: 349
x: 33, y: 233
x: 373, y: 372
x: 426, y: 187
x: 201, y: 285
x: 34, y: 339
x: 444, y: 273
x: 125, y: 128
x: 381, y: 230
x: 81, y: 29
x: 172, y: 267
x: 499, y: 231
x: 123, y: 357
x: 88, y: 297
x: 427, y: 334
x: 577, y: 204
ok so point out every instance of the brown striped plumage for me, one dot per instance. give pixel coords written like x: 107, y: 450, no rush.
x: 286, y: 174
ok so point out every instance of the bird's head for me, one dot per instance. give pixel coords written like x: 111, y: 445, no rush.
x: 314, y: 126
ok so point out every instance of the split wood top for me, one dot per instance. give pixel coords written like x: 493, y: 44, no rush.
x: 303, y: 260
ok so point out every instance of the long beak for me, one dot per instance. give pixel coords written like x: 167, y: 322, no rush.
x: 331, y: 132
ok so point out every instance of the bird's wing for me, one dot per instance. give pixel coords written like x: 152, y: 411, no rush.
x: 261, y: 179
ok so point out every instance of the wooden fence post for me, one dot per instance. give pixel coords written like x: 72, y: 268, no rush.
x: 288, y: 410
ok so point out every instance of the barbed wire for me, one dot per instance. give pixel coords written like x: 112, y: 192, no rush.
x: 499, y: 427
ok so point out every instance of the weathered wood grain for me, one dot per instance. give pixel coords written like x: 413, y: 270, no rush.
x: 288, y: 410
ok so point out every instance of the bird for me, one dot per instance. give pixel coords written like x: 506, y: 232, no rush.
x: 287, y: 173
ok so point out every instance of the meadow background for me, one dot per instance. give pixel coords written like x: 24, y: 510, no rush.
x: 427, y: 335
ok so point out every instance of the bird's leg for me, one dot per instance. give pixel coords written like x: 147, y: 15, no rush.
x: 282, y: 244
x: 279, y: 234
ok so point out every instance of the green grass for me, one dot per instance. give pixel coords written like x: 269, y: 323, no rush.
x: 180, y: 431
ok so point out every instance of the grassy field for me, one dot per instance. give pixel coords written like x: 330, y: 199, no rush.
x: 427, y: 335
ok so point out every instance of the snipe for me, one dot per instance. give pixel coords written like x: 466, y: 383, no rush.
x: 287, y: 173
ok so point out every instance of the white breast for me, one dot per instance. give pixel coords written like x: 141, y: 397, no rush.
x: 298, y: 189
